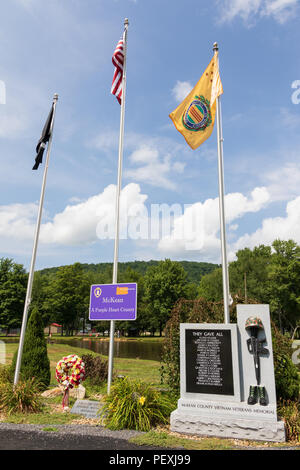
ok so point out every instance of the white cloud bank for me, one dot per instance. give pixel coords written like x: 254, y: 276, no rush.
x: 202, y: 237
x: 193, y: 229
x: 249, y: 10
x: 285, y: 228
x: 86, y: 222
x: 78, y: 224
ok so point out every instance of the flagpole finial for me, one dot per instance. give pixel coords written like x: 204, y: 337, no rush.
x: 126, y: 22
x: 215, y: 47
x: 55, y: 97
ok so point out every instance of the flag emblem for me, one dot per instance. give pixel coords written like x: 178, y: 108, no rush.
x: 97, y: 292
x: 118, y: 61
x: 194, y: 118
x: 197, y: 116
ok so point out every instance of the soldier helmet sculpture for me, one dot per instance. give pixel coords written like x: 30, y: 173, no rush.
x: 254, y: 322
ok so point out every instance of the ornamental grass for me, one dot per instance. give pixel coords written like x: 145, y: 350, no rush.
x: 24, y: 397
x: 133, y: 404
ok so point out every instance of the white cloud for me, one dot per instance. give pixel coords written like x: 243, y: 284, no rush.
x: 281, y: 10
x: 194, y: 232
x: 78, y: 224
x: 85, y: 223
x: 284, y: 228
x: 249, y: 10
x: 284, y: 183
x: 154, y: 169
x: 200, y: 224
x: 181, y: 90
x: 17, y: 221
x: 152, y: 159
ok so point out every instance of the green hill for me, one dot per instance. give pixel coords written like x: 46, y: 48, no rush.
x: 195, y: 270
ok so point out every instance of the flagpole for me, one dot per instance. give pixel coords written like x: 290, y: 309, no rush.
x: 117, y: 206
x: 34, y: 250
x: 225, y: 275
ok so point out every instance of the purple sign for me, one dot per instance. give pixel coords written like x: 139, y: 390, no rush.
x: 113, y: 301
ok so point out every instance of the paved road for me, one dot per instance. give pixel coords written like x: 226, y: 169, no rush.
x: 63, y: 437
x: 24, y: 440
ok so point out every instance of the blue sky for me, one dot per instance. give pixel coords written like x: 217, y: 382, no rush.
x: 65, y: 46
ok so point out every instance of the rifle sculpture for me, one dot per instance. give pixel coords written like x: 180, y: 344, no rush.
x: 255, y: 347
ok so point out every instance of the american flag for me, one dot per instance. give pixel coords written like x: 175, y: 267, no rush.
x: 118, y: 61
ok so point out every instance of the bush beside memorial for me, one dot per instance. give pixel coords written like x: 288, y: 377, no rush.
x: 35, y: 362
x: 96, y: 369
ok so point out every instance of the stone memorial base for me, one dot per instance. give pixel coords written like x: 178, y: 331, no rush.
x: 217, y: 371
x: 228, y: 427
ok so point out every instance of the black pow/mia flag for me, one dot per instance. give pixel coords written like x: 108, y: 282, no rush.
x: 46, y: 134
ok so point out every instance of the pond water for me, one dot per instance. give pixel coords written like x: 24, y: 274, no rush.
x: 150, y: 350
x: 131, y: 349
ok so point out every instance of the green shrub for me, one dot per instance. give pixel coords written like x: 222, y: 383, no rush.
x: 290, y: 412
x: 287, y: 378
x: 35, y: 361
x: 5, y: 374
x: 24, y: 397
x: 133, y: 404
x: 96, y: 368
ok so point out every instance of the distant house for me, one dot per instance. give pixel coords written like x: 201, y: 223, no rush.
x: 10, y: 331
x: 54, y: 329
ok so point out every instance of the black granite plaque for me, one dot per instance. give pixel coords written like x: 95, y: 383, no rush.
x: 209, y: 361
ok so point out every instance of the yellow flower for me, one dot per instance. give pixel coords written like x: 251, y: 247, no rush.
x: 142, y: 400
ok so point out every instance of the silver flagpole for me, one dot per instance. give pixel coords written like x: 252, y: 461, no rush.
x: 225, y: 275
x: 117, y: 210
x: 33, y: 257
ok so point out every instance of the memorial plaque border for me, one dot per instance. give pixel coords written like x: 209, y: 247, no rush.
x: 235, y: 362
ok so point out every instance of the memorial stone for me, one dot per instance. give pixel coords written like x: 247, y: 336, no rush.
x: 87, y: 408
x: 217, y: 368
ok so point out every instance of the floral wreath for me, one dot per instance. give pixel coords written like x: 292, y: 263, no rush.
x: 70, y: 372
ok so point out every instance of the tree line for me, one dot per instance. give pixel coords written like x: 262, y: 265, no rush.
x: 267, y: 274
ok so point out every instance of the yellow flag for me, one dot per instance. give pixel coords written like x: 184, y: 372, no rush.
x: 194, y: 118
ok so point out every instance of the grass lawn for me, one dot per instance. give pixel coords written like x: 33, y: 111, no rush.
x: 147, y: 371
x: 168, y: 440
